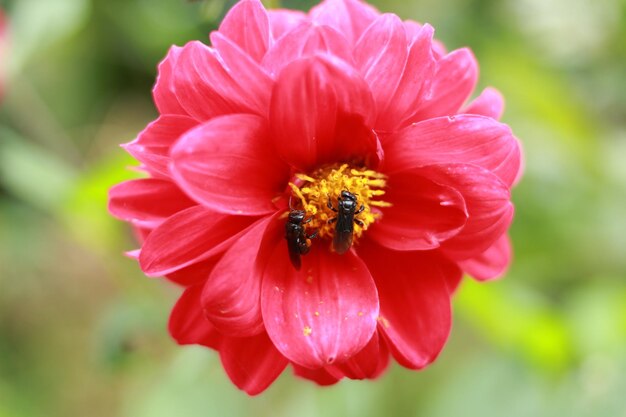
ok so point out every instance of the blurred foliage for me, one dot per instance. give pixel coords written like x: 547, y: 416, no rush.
x: 82, y: 331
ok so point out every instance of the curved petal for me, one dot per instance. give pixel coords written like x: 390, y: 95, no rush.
x: 489, y: 103
x: 312, y: 102
x: 187, y: 324
x: 423, y: 213
x: 228, y: 164
x: 415, y: 315
x: 381, y: 55
x: 254, y: 85
x: 206, y: 88
x: 147, y: 202
x: 284, y: 20
x: 455, y: 79
x: 324, y: 312
x: 492, y: 263
x: 414, y: 84
x: 350, y: 17
x: 363, y: 365
x: 252, y: 363
x: 194, y: 274
x: 319, y: 376
x: 232, y: 294
x: 247, y: 25
x: 188, y: 237
x: 465, y: 139
x: 163, y: 92
x: 306, y: 40
x: 152, y: 146
x: 488, y: 203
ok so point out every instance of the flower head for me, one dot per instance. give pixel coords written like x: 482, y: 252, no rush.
x: 318, y: 186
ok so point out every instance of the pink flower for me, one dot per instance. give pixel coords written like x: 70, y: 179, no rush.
x: 302, y: 107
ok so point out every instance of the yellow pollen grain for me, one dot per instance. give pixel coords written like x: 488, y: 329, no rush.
x: 317, y: 313
x: 384, y: 321
x: 307, y: 331
x: 327, y: 183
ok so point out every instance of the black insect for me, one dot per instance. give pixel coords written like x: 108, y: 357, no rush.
x: 346, y: 212
x: 297, y: 239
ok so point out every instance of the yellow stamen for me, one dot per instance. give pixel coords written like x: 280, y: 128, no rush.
x: 328, y: 183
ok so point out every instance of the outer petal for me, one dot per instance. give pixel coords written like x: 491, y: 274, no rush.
x: 206, y: 88
x: 415, y: 315
x: 414, y: 84
x: 232, y: 294
x: 247, y: 25
x: 313, y: 101
x: 306, y: 39
x: 380, y: 55
x: 188, y: 237
x: 423, y: 213
x: 194, y: 274
x: 147, y: 202
x: 492, y: 263
x: 466, y: 139
x: 252, y: 363
x: 455, y: 79
x: 187, y: 324
x: 364, y: 364
x: 254, y: 84
x: 489, y: 103
x: 324, y: 312
x: 488, y: 205
x: 319, y: 376
x: 163, y: 92
x: 227, y: 164
x: 153, y: 144
x: 283, y: 20
x: 350, y: 17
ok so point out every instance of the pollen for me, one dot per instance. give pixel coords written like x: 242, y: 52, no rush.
x: 326, y: 184
x: 307, y: 331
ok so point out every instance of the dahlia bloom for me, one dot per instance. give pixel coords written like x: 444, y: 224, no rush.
x: 285, y: 111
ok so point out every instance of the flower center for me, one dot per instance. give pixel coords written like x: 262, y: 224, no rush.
x: 324, y: 187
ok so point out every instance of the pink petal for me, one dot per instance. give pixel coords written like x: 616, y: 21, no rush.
x: 489, y: 103
x: 284, y: 20
x: 363, y: 365
x: 194, y: 274
x: 163, y: 91
x: 187, y: 324
x: 423, y: 213
x: 350, y: 17
x: 319, y: 376
x: 415, y: 316
x: 414, y: 84
x: 206, y: 88
x: 247, y: 25
x: 232, y: 294
x: 306, y: 40
x: 466, y: 139
x: 252, y: 363
x: 228, y: 165
x: 488, y: 203
x: 325, y: 312
x: 380, y: 55
x: 455, y: 79
x: 492, y: 263
x: 313, y: 101
x: 188, y: 237
x: 147, y: 202
x: 253, y: 85
x: 152, y: 146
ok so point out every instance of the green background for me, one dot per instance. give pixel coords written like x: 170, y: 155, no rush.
x: 83, y: 332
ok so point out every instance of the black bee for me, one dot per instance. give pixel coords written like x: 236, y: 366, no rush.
x: 345, y: 219
x: 297, y: 238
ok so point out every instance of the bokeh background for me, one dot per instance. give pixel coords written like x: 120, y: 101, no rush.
x: 83, y: 332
